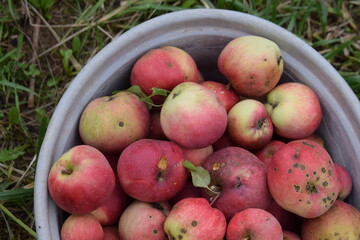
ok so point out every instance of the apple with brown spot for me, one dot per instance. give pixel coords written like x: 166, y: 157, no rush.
x: 239, y: 179
x: 111, y: 123
x: 164, y: 67
x: 143, y: 220
x: 252, y: 64
x: 195, y: 219
x: 302, y: 178
x: 151, y: 170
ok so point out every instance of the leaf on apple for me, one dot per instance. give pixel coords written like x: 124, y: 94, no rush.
x: 200, y: 176
x: 135, y: 89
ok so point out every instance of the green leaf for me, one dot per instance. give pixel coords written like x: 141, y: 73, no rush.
x: 17, y: 86
x: 200, y: 176
x: 16, y: 194
x: 12, y: 153
x: 14, y: 115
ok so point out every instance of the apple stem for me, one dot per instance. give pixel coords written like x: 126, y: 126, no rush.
x: 217, y: 195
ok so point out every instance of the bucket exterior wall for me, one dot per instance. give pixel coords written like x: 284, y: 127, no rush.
x: 202, y: 33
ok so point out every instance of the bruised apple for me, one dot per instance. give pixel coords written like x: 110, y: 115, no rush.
x: 239, y: 178
x: 151, y: 170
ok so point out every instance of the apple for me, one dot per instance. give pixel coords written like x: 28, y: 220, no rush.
x: 254, y: 224
x: 151, y: 170
x: 189, y: 190
x: 195, y: 219
x: 290, y: 235
x: 252, y: 64
x: 239, y: 178
x: 341, y: 221
x: 110, y: 211
x: 81, y: 227
x: 142, y: 220
x: 223, y: 142
x: 198, y: 155
x: 302, y: 178
x: 344, y: 181
x: 288, y: 220
x: 111, y: 123
x: 156, y: 131
x: 249, y: 125
x: 164, y: 67
x: 316, y: 138
x: 225, y: 93
x: 111, y: 233
x: 265, y: 153
x: 193, y: 116
x: 81, y: 180
x: 294, y: 109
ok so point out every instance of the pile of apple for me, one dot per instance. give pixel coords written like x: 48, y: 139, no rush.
x: 177, y: 156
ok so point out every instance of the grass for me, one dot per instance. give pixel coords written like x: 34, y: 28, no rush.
x: 45, y: 43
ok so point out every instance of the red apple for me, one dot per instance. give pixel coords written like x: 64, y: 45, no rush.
x: 81, y: 227
x: 111, y: 123
x: 195, y: 219
x: 111, y: 233
x: 252, y: 64
x: 302, y: 178
x: 240, y: 179
x: 254, y: 224
x: 81, y: 180
x: 226, y: 95
x: 249, y: 125
x: 151, y: 170
x: 193, y: 116
x: 344, y: 181
x: 197, y: 155
x: 156, y: 131
x: 142, y: 220
x: 163, y: 67
x: 294, y: 109
x: 265, y: 153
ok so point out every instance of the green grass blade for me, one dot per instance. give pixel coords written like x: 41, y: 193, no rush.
x: 16, y: 195
x: 17, y: 87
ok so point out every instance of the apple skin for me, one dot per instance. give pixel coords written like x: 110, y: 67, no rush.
x: 252, y: 64
x: 156, y: 131
x: 288, y: 220
x: 142, y: 220
x: 266, y: 153
x: 193, y: 116
x: 111, y: 233
x: 81, y: 180
x: 341, y: 221
x: 290, y: 235
x: 249, y: 125
x: 195, y: 219
x: 189, y: 190
x: 302, y: 178
x: 111, y: 123
x: 316, y: 138
x: 294, y: 109
x: 160, y: 177
x: 109, y: 213
x: 345, y: 182
x: 225, y: 94
x: 254, y: 224
x: 164, y: 67
x: 240, y: 178
x: 81, y: 227
x: 223, y: 142
x: 198, y: 155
